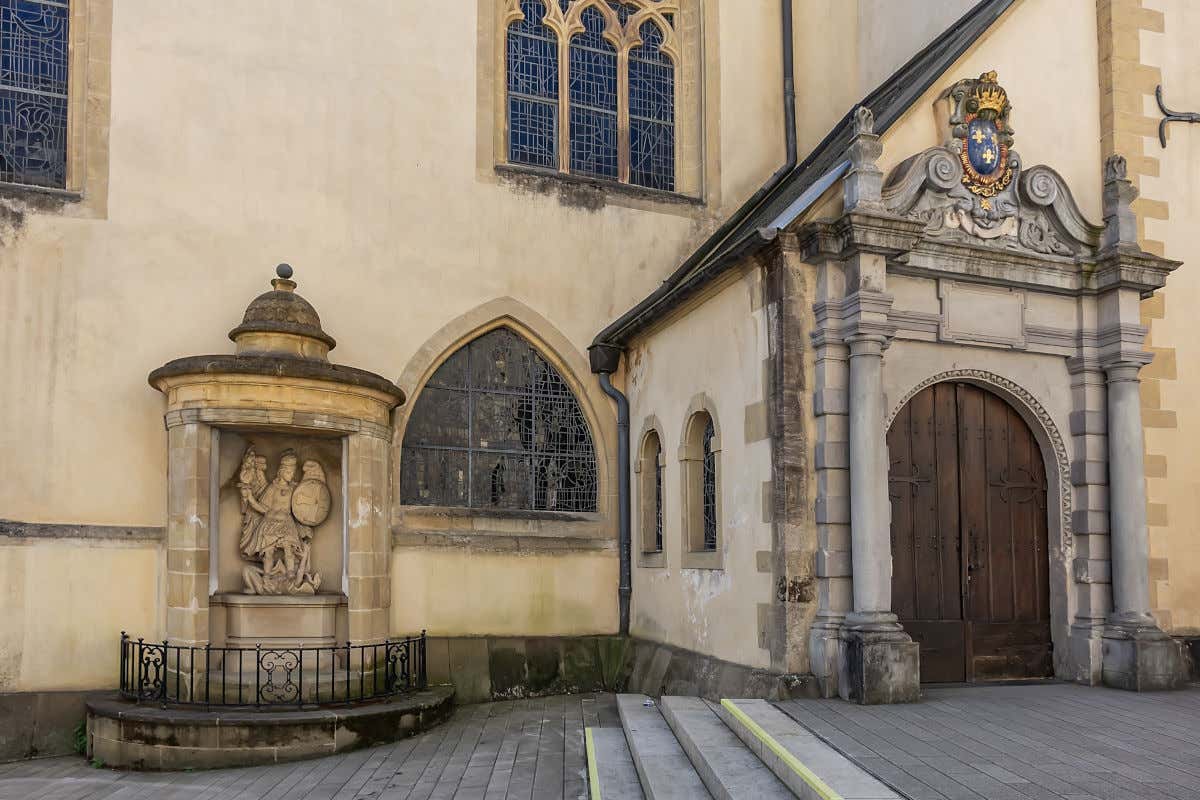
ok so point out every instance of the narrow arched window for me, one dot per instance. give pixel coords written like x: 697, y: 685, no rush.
x: 497, y: 427
x: 700, y: 459
x: 593, y: 99
x: 532, y: 59
x: 651, y: 112
x: 650, y: 468
x: 591, y: 89
x: 709, y: 489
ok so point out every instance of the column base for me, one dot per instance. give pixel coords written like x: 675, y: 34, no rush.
x: 882, y: 663
x: 1139, y: 657
x: 825, y: 654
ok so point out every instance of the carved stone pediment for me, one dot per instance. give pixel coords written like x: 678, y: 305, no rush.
x: 1034, y: 213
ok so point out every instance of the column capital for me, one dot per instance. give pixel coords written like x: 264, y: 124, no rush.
x: 1125, y: 371
x: 867, y: 344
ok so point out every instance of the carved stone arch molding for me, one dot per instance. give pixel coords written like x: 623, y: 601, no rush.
x: 552, y: 344
x: 1033, y: 412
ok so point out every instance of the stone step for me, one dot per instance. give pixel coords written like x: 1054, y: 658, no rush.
x: 662, y: 767
x: 729, y: 769
x: 808, y: 766
x: 611, y: 773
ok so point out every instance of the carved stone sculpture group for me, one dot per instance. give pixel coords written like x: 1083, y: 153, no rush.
x: 279, y: 519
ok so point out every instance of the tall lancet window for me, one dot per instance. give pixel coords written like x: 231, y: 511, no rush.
x: 592, y: 88
x: 34, y: 62
x: 532, y: 89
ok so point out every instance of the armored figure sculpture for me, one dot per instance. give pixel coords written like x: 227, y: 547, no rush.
x: 278, y: 522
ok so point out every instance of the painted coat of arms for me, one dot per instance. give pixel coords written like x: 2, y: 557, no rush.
x: 979, y: 122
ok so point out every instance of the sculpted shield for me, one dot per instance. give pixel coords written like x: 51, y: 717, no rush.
x: 311, y: 500
x: 979, y: 123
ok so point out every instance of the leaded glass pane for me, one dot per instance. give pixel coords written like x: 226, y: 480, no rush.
x: 501, y: 430
x: 658, y: 496
x: 532, y: 89
x: 33, y: 91
x: 593, y: 98
x: 710, y: 488
x: 651, y: 112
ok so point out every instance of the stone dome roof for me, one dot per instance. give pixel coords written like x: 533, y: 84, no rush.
x: 281, y: 310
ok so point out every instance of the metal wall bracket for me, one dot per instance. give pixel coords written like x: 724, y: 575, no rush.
x: 1170, y: 116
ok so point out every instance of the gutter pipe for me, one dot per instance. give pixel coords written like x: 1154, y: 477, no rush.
x: 606, y: 358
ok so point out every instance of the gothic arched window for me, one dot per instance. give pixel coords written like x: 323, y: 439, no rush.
x: 497, y: 427
x: 592, y: 87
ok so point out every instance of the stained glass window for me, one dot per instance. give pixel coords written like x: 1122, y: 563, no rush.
x: 497, y: 427
x: 658, y: 496
x: 710, y: 488
x: 595, y: 98
x: 33, y: 91
x: 532, y: 89
x: 651, y: 113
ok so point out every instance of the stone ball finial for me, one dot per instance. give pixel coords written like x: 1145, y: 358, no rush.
x: 284, y: 271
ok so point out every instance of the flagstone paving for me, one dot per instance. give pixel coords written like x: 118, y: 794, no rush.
x: 1034, y: 742
x: 528, y: 749
x: 1037, y: 742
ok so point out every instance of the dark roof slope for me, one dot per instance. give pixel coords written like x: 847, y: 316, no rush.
x: 888, y: 102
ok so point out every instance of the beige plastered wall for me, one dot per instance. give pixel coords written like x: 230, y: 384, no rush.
x: 713, y: 350
x: 1157, y: 38
x: 344, y: 141
x: 63, y: 605
x: 1045, y: 54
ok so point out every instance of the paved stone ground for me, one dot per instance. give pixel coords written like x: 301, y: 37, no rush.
x: 1045, y: 742
x: 528, y: 749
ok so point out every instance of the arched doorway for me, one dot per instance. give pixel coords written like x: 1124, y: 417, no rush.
x: 969, y: 542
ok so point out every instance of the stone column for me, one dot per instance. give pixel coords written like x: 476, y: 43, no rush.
x: 1127, y: 488
x: 1137, y: 654
x: 188, y: 530
x: 870, y: 512
x: 882, y: 663
x: 368, y: 538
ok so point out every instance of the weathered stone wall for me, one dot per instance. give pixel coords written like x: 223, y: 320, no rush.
x: 713, y: 358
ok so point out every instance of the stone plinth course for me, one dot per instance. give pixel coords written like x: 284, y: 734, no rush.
x: 144, y: 736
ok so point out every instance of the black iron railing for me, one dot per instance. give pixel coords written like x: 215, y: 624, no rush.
x: 269, y: 676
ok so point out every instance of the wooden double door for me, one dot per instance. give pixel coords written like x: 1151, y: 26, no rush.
x: 969, y: 549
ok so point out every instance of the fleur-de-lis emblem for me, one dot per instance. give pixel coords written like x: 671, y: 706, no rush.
x: 977, y: 136
x: 989, y: 155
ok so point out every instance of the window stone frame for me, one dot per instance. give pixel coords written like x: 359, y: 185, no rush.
x: 691, y: 471
x: 648, y: 557
x: 89, y: 108
x: 697, y: 120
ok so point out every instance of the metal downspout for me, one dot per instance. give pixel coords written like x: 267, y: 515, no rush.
x: 605, y: 358
x: 623, y: 516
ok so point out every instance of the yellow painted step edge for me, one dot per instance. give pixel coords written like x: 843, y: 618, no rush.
x: 593, y: 773
x: 794, y: 764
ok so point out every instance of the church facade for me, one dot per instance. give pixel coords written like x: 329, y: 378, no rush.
x: 693, y: 346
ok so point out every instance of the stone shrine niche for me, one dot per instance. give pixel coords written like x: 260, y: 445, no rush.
x: 267, y: 448
x: 297, y: 550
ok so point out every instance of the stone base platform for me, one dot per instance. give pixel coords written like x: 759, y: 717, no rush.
x: 142, y: 736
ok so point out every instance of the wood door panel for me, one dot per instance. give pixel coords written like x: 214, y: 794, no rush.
x: 970, y: 561
x: 943, y: 649
x: 1010, y: 650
